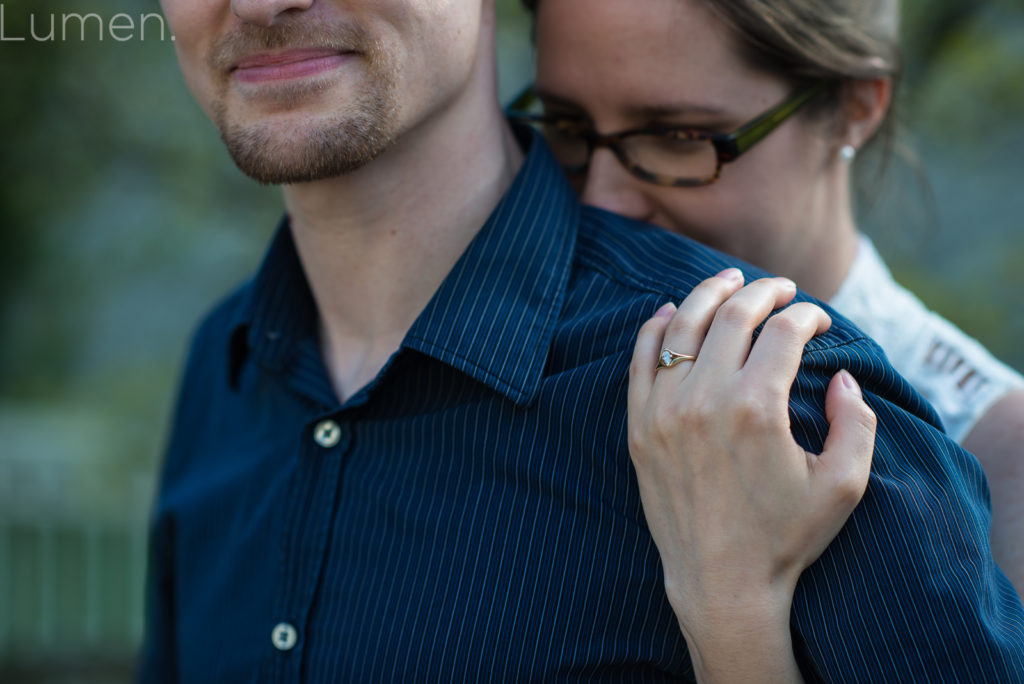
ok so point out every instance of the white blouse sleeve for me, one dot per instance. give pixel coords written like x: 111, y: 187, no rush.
x: 954, y: 372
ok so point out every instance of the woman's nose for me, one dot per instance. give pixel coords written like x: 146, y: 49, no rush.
x: 608, y: 185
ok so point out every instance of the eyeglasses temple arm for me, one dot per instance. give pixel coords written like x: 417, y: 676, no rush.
x: 734, y: 144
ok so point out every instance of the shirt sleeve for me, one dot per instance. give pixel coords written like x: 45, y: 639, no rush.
x: 158, y: 660
x: 908, y: 591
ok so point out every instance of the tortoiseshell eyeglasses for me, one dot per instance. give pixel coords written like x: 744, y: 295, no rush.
x: 672, y: 156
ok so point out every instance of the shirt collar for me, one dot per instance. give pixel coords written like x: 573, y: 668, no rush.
x: 277, y: 309
x: 493, y: 316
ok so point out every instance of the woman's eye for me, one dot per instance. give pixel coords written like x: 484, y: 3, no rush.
x: 674, y: 145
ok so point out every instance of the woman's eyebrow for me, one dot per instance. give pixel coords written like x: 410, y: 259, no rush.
x: 647, y: 111
x: 670, y: 110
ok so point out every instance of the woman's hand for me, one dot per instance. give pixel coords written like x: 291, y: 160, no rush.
x: 736, y: 507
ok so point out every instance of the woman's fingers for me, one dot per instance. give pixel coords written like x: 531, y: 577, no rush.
x: 728, y: 340
x: 685, y: 333
x: 845, y: 461
x: 716, y: 322
x: 775, y: 357
x: 682, y: 332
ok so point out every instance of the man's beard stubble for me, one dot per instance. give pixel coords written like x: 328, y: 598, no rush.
x: 327, y: 147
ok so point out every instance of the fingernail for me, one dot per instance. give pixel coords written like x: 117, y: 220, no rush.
x: 665, y: 311
x: 733, y: 274
x: 849, y: 382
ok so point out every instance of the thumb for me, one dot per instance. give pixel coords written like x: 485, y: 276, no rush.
x: 846, y: 457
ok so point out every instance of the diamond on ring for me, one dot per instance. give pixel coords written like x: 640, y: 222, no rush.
x: 669, y: 358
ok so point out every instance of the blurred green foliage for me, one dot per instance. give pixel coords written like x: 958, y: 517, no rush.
x: 122, y: 220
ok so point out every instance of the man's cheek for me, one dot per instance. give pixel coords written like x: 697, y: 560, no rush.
x: 192, y: 22
x: 196, y: 75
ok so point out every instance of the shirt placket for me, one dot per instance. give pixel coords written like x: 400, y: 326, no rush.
x: 309, y: 513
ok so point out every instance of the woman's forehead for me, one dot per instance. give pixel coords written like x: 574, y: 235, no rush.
x: 667, y: 54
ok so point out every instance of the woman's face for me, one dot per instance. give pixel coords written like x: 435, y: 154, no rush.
x: 624, y: 65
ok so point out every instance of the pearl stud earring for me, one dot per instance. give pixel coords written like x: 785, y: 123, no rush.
x: 847, y: 153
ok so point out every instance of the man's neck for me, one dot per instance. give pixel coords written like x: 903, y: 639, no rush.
x: 377, y: 243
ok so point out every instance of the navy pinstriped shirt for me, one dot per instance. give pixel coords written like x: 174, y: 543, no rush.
x: 471, y: 515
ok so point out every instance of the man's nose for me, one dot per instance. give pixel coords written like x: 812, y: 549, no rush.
x: 608, y: 185
x: 266, y: 12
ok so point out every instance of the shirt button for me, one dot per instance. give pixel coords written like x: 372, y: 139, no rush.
x: 284, y: 637
x: 327, y: 433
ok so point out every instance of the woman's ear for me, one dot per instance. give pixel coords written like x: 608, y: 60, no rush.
x: 867, y: 101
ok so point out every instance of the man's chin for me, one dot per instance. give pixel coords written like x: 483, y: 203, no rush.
x: 284, y: 157
x: 308, y: 143
x: 272, y: 169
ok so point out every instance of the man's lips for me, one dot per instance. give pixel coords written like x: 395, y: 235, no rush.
x: 274, y: 66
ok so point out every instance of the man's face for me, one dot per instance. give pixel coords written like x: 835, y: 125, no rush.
x: 308, y: 89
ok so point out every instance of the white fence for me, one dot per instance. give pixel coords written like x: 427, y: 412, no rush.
x: 72, y: 546
x: 68, y: 593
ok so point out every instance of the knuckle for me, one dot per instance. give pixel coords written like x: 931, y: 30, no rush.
x: 789, y: 324
x: 679, y: 325
x: 714, y: 285
x: 661, y: 432
x: 636, y: 439
x: 813, y: 311
x: 868, y: 418
x: 850, y: 490
x: 810, y: 309
x: 739, y: 311
x: 683, y: 417
x: 753, y: 411
x: 768, y: 283
x: 811, y: 314
x: 699, y: 410
x: 643, y: 435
